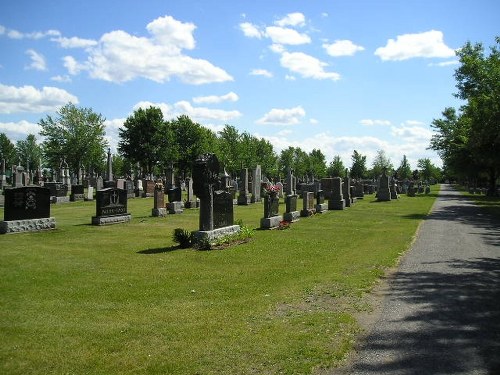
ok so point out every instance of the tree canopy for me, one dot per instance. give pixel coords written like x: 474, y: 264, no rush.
x: 469, y: 140
x: 7, y: 151
x: 358, y: 168
x: 29, y: 152
x: 75, y: 134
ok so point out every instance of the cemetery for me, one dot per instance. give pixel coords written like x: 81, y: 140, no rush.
x: 110, y: 282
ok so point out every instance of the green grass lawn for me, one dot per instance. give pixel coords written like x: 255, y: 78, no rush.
x: 490, y: 204
x: 123, y: 299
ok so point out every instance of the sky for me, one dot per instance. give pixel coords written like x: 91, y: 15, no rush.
x: 336, y: 75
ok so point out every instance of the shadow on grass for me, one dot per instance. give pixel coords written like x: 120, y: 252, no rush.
x: 160, y: 250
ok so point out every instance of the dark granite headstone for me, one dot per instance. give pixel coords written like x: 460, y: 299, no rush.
x: 111, y: 207
x: 174, y: 194
x: 223, y: 209
x: 30, y: 202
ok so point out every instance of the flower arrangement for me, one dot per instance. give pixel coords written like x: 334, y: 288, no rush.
x: 269, y: 188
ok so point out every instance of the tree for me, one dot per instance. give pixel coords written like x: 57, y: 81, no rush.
x: 7, y: 151
x: 29, y: 152
x: 358, y: 168
x: 428, y: 170
x: 228, y: 145
x: 267, y: 157
x: 144, y: 137
x: 317, y: 164
x: 380, y: 163
x: 478, y: 83
x: 76, y: 134
x: 404, y: 170
x: 336, y: 167
x: 190, y: 140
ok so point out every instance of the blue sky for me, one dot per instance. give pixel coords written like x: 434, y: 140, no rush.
x: 332, y: 75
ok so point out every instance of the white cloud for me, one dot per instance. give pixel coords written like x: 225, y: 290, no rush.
x: 59, y: 78
x: 369, y: 122
x: 307, y: 66
x: 342, y: 48
x: 73, y: 66
x: 427, y: 44
x: 74, y: 42
x: 231, y: 97
x: 15, y: 34
x: 20, y: 128
x: 277, y: 48
x: 284, y: 35
x: 121, y: 57
x: 313, y: 121
x: 37, y: 60
x: 413, y: 131
x: 261, y: 72
x: 29, y: 99
x: 250, y: 30
x: 292, y: 19
x: 445, y: 63
x: 288, y: 116
x: 195, y: 113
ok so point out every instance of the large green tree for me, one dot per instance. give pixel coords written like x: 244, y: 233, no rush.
x: 7, y: 151
x: 478, y: 83
x: 29, y: 152
x: 144, y: 138
x: 428, y: 170
x: 190, y: 140
x: 336, y: 167
x: 75, y: 134
x: 229, y: 149
x: 317, y: 164
x: 381, y: 162
x: 358, y: 168
x: 404, y: 170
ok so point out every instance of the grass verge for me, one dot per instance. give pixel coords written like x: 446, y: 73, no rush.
x: 126, y: 299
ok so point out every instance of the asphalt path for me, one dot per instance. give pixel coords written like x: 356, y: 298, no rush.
x: 441, y: 310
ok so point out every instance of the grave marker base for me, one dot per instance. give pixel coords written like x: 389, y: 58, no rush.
x: 211, y: 235
x: 108, y: 220
x: 159, y: 212
x: 28, y: 225
x: 292, y: 216
x: 270, y: 222
x: 320, y: 208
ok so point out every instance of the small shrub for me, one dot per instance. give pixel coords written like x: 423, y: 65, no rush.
x: 183, y: 237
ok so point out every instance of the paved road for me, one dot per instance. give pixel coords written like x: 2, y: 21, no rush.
x: 441, y: 314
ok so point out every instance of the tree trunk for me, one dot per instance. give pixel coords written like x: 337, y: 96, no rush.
x: 492, y: 188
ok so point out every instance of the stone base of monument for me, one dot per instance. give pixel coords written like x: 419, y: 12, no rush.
x: 292, y: 216
x: 28, y: 225
x: 159, y: 212
x: 244, y: 200
x: 320, y: 208
x: 76, y: 197
x: 174, y: 208
x: 212, y: 235
x: 354, y: 200
x: 394, y: 195
x: 336, y: 204
x: 108, y: 220
x: 270, y: 222
x: 58, y: 200
x: 192, y: 204
x: 307, y: 213
x: 347, y: 202
x: 384, y: 195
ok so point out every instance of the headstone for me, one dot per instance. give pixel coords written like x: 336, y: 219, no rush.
x: 120, y: 183
x: 90, y: 194
x: 17, y: 179
x: 77, y: 193
x: 346, y: 189
x: 308, y: 207
x: 291, y: 213
x: 271, y: 218
x: 149, y: 188
x: 327, y: 187
x: 27, y: 209
x: 139, y: 189
x: 109, y: 175
x: 216, y: 206
x: 321, y: 206
x: 279, y: 185
x: 383, y: 192
x: 159, y: 201
x: 256, y: 184
x: 393, y: 190
x: 129, y: 186
x: 359, y: 191
x: 111, y: 207
x: 244, y: 197
x: 99, y: 183
x: 58, y: 192
x: 175, y: 203
x: 336, y: 201
x: 191, y: 199
x: 169, y: 178
x: 290, y: 183
x: 411, y: 190
x: 3, y: 176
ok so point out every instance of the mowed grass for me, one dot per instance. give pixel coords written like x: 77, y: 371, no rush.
x: 123, y: 299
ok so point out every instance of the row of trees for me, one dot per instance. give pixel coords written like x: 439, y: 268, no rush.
x: 151, y: 145
x: 468, y: 139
